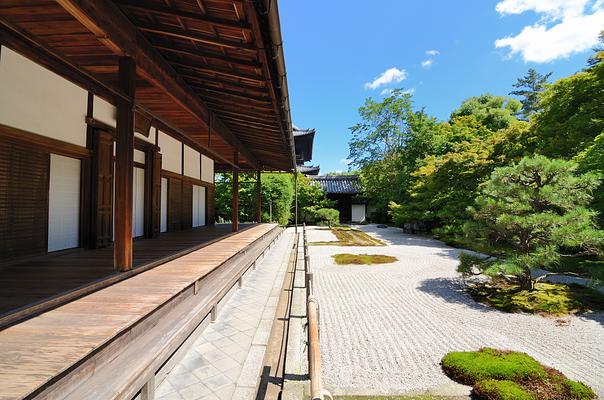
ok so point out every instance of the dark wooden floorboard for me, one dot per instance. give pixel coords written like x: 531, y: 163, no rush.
x: 35, y: 280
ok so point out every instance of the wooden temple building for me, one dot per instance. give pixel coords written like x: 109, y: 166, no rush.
x: 114, y: 117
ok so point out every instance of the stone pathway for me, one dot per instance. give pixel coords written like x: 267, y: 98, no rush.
x: 226, y: 360
x: 384, y: 329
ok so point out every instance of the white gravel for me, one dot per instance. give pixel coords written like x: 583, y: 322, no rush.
x: 384, y: 329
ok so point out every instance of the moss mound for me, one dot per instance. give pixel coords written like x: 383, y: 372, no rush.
x: 363, y: 259
x: 547, y: 298
x: 500, y: 390
x: 350, y: 237
x: 507, y: 375
x: 473, y: 366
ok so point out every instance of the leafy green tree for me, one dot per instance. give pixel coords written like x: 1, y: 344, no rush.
x: 278, y: 196
x: 446, y: 184
x: 538, y: 208
x: 592, y: 160
x: 493, y: 112
x: 598, y: 55
x: 528, y: 87
x: 311, y: 197
x: 277, y: 191
x: 572, y: 114
x: 386, y: 146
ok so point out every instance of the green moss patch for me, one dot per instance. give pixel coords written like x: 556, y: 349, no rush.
x: 363, y: 259
x: 501, y: 390
x: 546, y: 298
x: 506, y: 375
x: 350, y: 237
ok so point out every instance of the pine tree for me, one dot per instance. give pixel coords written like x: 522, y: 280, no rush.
x: 529, y: 87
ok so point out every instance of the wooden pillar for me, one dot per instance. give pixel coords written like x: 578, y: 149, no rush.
x: 152, y: 192
x: 102, y: 189
x: 235, y: 217
x: 258, y: 198
x: 124, y: 155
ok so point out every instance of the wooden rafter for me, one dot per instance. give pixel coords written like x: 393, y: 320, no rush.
x: 104, y: 19
x: 173, y: 48
x: 171, y: 12
x: 195, y: 36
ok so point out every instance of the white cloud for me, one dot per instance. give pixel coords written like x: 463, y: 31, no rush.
x: 391, y: 75
x: 432, y: 53
x: 345, y: 161
x: 564, y: 28
x: 427, y: 63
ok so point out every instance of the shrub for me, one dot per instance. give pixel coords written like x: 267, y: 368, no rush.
x: 328, y: 216
x: 491, y: 389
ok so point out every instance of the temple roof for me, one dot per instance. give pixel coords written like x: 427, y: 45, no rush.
x: 303, y: 139
x: 339, y: 184
x: 309, y: 169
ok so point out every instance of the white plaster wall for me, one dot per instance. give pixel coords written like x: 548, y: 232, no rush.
x: 139, y: 156
x: 171, y: 150
x: 37, y: 100
x: 104, y: 111
x: 207, y: 169
x: 63, y: 203
x: 192, y: 163
x: 150, y: 139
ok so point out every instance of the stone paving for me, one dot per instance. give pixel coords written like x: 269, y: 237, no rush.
x: 226, y: 360
x: 384, y: 329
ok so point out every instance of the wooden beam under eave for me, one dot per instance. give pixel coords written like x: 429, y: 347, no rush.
x: 106, y: 20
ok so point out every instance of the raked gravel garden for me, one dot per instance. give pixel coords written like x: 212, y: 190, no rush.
x: 385, y: 328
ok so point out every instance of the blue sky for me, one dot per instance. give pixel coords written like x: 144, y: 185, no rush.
x: 335, y: 49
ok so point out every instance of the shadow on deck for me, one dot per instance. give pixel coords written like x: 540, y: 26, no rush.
x: 38, y: 284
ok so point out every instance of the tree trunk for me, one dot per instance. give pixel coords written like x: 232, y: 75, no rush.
x: 526, y: 281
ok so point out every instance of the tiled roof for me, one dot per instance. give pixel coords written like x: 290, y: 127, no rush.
x: 340, y: 184
x: 309, y: 169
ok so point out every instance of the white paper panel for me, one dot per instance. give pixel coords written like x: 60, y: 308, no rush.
x: 138, y: 202
x: 139, y: 156
x: 199, y: 206
x: 63, y: 203
x: 164, y: 205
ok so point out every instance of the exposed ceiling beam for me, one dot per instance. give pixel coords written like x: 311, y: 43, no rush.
x: 195, y: 36
x: 171, y: 12
x: 106, y: 20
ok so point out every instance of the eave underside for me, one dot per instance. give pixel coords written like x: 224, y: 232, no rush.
x: 216, y: 52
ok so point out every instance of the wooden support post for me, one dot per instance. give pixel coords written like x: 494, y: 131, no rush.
x: 148, y: 390
x: 258, y: 198
x: 235, y: 193
x: 122, y: 254
x: 213, y: 314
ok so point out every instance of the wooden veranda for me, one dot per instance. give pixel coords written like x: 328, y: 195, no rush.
x: 110, y: 343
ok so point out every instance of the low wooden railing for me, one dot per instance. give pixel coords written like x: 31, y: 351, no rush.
x: 314, y: 345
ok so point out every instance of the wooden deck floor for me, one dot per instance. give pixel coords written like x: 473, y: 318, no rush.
x: 39, y: 349
x: 37, y: 280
